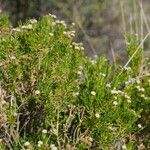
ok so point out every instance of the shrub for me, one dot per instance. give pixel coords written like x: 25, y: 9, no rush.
x: 52, y: 96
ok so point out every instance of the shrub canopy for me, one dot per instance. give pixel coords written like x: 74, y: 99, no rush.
x: 52, y: 93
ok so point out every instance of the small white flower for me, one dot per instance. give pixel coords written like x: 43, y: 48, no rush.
x: 108, y: 85
x: 26, y: 144
x: 44, y: 131
x: 65, y: 33
x: 127, y: 68
x: 58, y: 21
x: 75, y: 94
x: 115, y: 92
x: 97, y: 115
x: 73, y: 32
x: 127, y: 96
x: 111, y: 128
x: 51, y: 34
x: 39, y: 145
x: 53, y: 147
x: 115, y: 98
x: 40, y: 142
x: 74, y: 44
x: 115, y: 103
x: 140, y: 89
x: 93, y: 93
x: 71, y: 35
x: 73, y: 24
x: 29, y: 26
x: 61, y: 22
x: 33, y: 21
x: 131, y: 81
x: 82, y: 48
x: 16, y: 29
x: 12, y: 57
x: 139, y: 126
x: 37, y: 92
x: 77, y: 47
x: 146, y: 98
x: 103, y: 74
x: 79, y: 73
x: 93, y: 62
x: 128, y: 100
x: 142, y: 95
x: 15, y: 114
x: 53, y: 16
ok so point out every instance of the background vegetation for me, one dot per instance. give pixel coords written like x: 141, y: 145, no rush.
x: 100, y: 24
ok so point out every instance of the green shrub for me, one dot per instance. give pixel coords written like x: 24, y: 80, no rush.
x: 52, y: 96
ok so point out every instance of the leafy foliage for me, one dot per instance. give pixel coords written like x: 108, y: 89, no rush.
x: 52, y: 96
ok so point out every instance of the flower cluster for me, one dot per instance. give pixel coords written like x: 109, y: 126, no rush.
x: 115, y: 103
x: 29, y: 26
x: 69, y: 34
x: 140, y: 89
x: 143, y: 96
x: 93, y: 61
x: 53, y: 16
x: 16, y: 30
x: 133, y: 81
x: 127, y: 68
x: 78, y: 46
x: 61, y: 22
x: 75, y: 94
x: 33, y: 21
x: 114, y: 91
